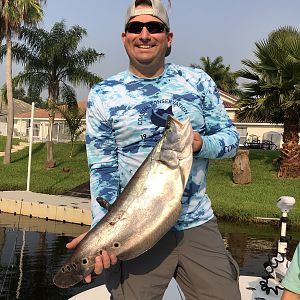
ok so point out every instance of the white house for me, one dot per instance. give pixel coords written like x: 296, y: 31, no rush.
x: 41, y: 123
x: 19, y: 108
x: 248, y: 129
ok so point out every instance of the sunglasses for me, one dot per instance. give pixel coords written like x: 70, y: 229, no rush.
x: 152, y: 27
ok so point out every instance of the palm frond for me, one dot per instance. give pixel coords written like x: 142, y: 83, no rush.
x: 274, y: 77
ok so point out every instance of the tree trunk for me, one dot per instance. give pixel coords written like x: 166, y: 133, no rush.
x: 10, y: 103
x: 50, y: 163
x: 290, y: 152
x: 241, y: 172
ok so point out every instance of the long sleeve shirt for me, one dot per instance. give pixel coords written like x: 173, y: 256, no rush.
x: 126, y: 116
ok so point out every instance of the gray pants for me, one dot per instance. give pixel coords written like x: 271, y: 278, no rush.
x: 196, y: 258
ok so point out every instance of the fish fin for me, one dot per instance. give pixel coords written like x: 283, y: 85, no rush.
x: 104, y: 203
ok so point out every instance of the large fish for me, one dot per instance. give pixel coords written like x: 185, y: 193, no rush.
x: 146, y: 209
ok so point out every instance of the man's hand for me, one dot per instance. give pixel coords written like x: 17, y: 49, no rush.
x: 198, y: 142
x: 103, y: 261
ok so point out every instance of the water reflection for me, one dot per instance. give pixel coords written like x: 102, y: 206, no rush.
x: 32, y: 250
x: 43, y: 251
x: 252, y: 245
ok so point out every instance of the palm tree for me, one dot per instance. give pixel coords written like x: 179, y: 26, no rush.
x: 1, y: 23
x: 272, y: 92
x: 221, y: 74
x: 13, y: 14
x: 52, y: 61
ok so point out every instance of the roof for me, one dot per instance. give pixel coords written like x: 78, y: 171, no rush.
x: 40, y: 113
x: 228, y: 104
x: 19, y: 107
x: 228, y: 96
x: 228, y: 99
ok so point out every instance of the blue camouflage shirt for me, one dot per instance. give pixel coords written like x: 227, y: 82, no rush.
x: 126, y: 116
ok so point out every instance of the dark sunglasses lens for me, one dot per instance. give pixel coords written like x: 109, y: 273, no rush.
x: 152, y: 27
x: 135, y: 27
x: 155, y: 27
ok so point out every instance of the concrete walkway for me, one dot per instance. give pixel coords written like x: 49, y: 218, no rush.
x: 16, y: 148
x: 50, y: 207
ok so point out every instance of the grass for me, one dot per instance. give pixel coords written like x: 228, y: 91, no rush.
x: 230, y: 201
x: 69, y: 173
x: 256, y: 199
x: 3, y: 142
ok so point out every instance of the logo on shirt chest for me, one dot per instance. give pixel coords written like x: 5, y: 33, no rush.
x: 156, y: 113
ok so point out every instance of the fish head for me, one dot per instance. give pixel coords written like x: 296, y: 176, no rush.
x: 178, y: 134
x: 73, y: 271
x: 176, y: 143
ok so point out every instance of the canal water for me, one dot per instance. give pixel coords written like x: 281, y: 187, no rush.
x: 32, y: 250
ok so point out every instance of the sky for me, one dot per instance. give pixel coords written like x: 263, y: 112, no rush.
x: 227, y: 28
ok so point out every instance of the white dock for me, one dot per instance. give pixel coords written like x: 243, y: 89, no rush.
x: 50, y: 207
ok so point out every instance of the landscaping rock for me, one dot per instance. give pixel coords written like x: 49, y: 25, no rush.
x: 241, y: 171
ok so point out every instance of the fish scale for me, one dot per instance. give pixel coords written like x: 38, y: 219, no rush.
x: 144, y: 212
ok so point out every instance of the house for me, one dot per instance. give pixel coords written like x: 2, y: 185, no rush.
x: 19, y: 108
x: 41, y: 124
x: 246, y: 129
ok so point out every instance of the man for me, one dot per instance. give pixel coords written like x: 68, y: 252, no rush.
x: 125, y: 118
x: 291, y: 281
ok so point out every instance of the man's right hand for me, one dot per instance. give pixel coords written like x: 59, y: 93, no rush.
x: 103, y: 261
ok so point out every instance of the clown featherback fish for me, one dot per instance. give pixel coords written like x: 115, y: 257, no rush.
x: 144, y: 212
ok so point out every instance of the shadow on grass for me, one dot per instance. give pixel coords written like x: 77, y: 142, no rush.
x: 25, y: 153
x: 264, y: 155
x: 267, y: 157
x: 78, y: 148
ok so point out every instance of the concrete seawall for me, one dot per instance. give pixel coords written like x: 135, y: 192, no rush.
x: 50, y: 207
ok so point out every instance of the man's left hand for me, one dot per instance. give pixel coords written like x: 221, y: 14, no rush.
x: 198, y: 142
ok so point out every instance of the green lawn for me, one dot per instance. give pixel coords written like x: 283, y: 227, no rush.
x: 257, y: 199
x: 3, y: 142
x: 230, y: 201
x: 52, y: 181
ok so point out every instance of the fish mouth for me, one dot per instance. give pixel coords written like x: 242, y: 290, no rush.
x: 63, y: 281
x: 181, y: 124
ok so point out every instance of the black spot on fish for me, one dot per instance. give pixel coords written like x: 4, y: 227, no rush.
x: 116, y: 245
x: 68, y: 268
x: 74, y: 266
x: 63, y: 269
x: 100, y: 252
x: 159, y: 117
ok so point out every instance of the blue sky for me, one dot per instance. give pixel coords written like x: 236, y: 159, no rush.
x: 201, y: 28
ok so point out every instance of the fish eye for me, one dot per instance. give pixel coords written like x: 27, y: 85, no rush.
x: 84, y: 261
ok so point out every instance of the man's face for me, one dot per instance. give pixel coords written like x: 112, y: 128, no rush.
x: 145, y: 49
